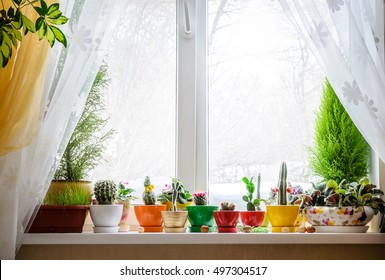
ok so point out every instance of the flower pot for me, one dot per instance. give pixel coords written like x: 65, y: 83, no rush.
x: 282, y: 216
x: 227, y: 221
x: 199, y: 215
x: 123, y: 224
x: 59, y: 219
x: 106, y: 218
x: 174, y: 221
x: 334, y: 216
x: 150, y: 217
x: 252, y: 218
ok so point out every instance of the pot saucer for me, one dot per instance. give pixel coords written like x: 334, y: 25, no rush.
x: 341, y: 229
x: 175, y: 230
x: 106, y: 229
x: 152, y: 229
x: 227, y: 230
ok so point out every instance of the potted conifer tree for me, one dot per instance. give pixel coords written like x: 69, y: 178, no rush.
x: 84, y: 151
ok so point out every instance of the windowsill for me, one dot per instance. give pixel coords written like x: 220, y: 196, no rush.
x: 203, y: 238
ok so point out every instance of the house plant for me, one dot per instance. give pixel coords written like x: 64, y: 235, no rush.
x: 282, y: 216
x: 339, y: 151
x: 253, y: 216
x: 201, y: 214
x: 13, y: 20
x: 175, y: 220
x: 85, y: 149
x: 227, y: 218
x: 149, y: 215
x: 105, y: 215
x: 184, y: 198
x: 63, y: 211
x: 125, y: 197
x: 343, y: 207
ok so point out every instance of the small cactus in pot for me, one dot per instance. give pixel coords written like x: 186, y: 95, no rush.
x: 227, y: 218
x: 200, y: 198
x: 227, y: 206
x: 149, y: 197
x: 105, y: 192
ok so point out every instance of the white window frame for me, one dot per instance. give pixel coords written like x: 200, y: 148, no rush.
x: 192, y: 95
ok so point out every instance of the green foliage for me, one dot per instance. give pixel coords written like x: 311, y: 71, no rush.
x: 105, y: 191
x: 282, y: 185
x: 13, y: 22
x: 252, y: 203
x: 339, y: 152
x: 68, y: 196
x: 125, y: 193
x: 85, y: 149
x: 176, y: 190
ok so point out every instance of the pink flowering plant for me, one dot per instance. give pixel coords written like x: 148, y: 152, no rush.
x: 294, y: 194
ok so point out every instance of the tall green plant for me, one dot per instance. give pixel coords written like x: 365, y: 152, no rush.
x: 85, y: 149
x: 339, y: 151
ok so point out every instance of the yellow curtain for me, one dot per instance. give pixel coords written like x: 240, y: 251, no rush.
x: 21, y: 89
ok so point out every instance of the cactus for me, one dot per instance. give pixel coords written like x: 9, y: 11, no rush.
x: 200, y: 198
x: 227, y: 206
x: 149, y: 197
x: 176, y: 187
x: 252, y: 204
x: 105, y: 191
x: 282, y: 185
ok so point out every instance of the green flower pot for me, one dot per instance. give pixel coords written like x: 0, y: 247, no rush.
x: 199, y: 215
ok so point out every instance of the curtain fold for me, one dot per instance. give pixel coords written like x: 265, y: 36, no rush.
x: 21, y: 87
x: 347, y: 39
x: 25, y: 174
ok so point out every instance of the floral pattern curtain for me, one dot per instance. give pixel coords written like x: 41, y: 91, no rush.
x: 347, y: 38
x: 25, y: 174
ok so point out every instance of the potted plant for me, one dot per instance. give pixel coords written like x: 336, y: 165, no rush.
x: 149, y: 215
x: 105, y: 215
x: 201, y: 214
x: 253, y: 216
x: 125, y: 197
x: 282, y: 216
x: 227, y: 218
x: 63, y: 211
x: 85, y: 149
x: 174, y: 219
x: 184, y: 198
x: 343, y: 207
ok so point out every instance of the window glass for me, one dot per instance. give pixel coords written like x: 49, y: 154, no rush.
x: 264, y: 86
x: 141, y: 97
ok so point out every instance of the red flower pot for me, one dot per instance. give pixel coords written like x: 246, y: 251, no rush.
x: 226, y: 220
x: 252, y: 218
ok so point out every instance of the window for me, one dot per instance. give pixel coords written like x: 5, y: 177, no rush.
x: 232, y: 98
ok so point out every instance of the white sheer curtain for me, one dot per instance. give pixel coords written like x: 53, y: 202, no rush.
x: 26, y: 174
x: 347, y: 38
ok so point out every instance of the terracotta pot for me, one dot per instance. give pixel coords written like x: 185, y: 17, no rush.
x: 174, y: 221
x: 252, y: 218
x: 150, y: 217
x: 226, y: 220
x: 282, y: 216
x: 59, y: 219
x: 199, y: 215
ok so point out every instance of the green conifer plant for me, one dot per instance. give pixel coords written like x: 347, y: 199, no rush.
x: 339, y: 151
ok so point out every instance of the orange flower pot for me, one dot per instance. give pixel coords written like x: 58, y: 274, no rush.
x: 150, y: 217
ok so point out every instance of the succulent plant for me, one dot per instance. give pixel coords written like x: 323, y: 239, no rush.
x: 200, y: 198
x: 282, y: 185
x: 252, y: 204
x: 105, y: 191
x: 148, y: 197
x: 227, y: 206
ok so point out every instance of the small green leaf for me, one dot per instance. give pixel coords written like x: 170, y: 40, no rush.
x: 11, y: 12
x: 17, y: 34
x: 38, y: 23
x: 331, y: 184
x: 7, y: 40
x: 62, y: 39
x: 256, y: 201
x: 55, y: 15
x: 5, y: 50
x: 42, y: 30
x: 61, y: 20
x: 245, y: 180
x: 28, y: 24
x: 54, y: 7
x: 364, y: 181
x: 44, y: 7
x: 39, y: 11
x: 50, y: 36
x: 245, y: 198
x: 1, y: 60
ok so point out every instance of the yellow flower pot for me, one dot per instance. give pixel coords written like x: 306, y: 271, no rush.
x: 178, y: 205
x: 282, y: 216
